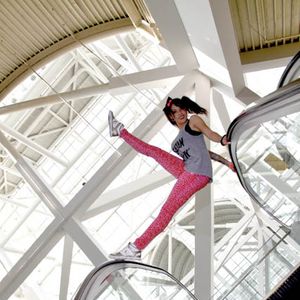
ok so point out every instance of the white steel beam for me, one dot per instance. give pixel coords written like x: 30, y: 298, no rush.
x: 185, y: 237
x: 48, y: 238
x: 116, y: 57
x: 32, y: 145
x: 18, y: 224
x: 227, y: 91
x: 85, y: 241
x: 93, y: 68
x: 118, y: 85
x: 174, y: 34
x: 10, y: 170
x: 122, y: 43
x: 222, y: 112
x: 223, y: 20
x: 243, y: 223
x: 32, y: 178
x: 232, y: 238
x: 276, y: 226
x: 262, y: 280
x: 127, y: 192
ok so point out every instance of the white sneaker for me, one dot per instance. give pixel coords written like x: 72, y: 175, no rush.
x: 114, y: 126
x: 129, y: 252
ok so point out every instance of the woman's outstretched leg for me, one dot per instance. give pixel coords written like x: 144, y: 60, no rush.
x: 169, y: 162
x: 174, y: 165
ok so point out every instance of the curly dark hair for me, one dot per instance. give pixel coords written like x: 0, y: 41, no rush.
x: 184, y: 103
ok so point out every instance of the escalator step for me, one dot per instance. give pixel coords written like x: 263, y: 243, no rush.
x: 289, y: 289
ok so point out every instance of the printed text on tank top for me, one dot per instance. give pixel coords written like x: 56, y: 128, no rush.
x: 190, y: 145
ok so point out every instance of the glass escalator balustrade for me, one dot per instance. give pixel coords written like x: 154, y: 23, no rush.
x: 132, y: 281
x: 265, y: 147
x: 270, y: 159
x: 267, y: 152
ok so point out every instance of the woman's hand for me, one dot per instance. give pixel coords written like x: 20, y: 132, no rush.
x: 224, y: 140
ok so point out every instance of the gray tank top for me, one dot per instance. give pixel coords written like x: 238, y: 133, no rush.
x: 190, y: 145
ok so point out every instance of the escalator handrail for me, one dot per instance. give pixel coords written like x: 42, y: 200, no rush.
x: 264, y: 103
x: 122, y: 264
x: 288, y: 69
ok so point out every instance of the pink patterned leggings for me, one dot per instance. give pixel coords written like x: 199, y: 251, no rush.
x: 186, y: 185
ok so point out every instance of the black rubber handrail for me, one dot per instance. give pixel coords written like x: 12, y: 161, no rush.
x: 290, y: 69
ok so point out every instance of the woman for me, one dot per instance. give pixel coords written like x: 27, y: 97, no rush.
x: 193, y: 170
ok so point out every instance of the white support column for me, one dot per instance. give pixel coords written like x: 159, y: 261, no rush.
x: 66, y: 268
x: 204, y: 216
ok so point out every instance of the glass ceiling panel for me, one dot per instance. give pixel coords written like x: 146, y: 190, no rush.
x: 23, y: 218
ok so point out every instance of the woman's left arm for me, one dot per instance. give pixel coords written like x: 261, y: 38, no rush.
x: 217, y: 157
x: 197, y: 123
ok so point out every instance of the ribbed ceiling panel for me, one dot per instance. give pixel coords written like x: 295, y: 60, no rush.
x: 31, y: 30
x: 28, y: 27
x: 265, y: 23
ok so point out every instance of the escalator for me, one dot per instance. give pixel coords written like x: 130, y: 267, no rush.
x: 265, y: 149
x: 131, y: 280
